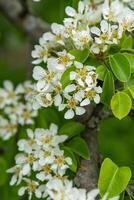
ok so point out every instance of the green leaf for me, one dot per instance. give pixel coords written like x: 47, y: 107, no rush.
x: 121, y: 104
x: 101, y: 71
x: 92, y: 62
x: 108, y: 88
x: 131, y: 90
x: 3, y: 174
x: 120, y: 67
x: 79, y: 146
x: 130, y: 58
x: 68, y: 153
x: 47, y: 116
x: 127, y: 42
x: 113, y: 180
x: 80, y: 56
x: 65, y: 79
x: 116, y: 140
x: 72, y: 129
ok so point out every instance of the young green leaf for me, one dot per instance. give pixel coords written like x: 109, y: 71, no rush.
x: 79, y: 146
x: 47, y: 116
x: 130, y: 58
x: 65, y: 79
x: 127, y: 42
x: 108, y: 88
x: 121, y: 104
x: 71, y: 129
x: 101, y: 71
x: 113, y: 180
x: 80, y: 56
x: 68, y: 153
x: 120, y: 67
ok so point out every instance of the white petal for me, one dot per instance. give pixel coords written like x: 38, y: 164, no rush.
x: 95, y: 30
x: 69, y: 114
x: 97, y: 99
x: 104, y: 26
x: 38, y: 73
x: 92, y: 194
x: 78, y: 65
x: 57, y: 100
x: 80, y: 111
x: 26, y: 169
x: 61, y: 107
x: 53, y: 128
x: 98, y: 89
x: 81, y: 7
x: 8, y: 85
x: 13, y: 180
x: 42, y: 85
x: 21, y: 191
x: 70, y: 88
x: 73, y: 75
x: 70, y: 11
x: 30, y: 133
x: 85, y: 102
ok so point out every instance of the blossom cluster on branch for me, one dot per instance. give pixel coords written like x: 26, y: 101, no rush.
x: 41, y: 167
x: 62, y: 78
x: 16, y: 108
x: 65, y: 76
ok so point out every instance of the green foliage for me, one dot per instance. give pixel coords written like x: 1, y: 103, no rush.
x: 80, y: 56
x: 79, y: 146
x: 121, y: 104
x: 47, y: 116
x: 126, y: 42
x: 116, y: 140
x: 113, y: 180
x: 71, y: 129
x: 51, y: 10
x: 130, y: 58
x: 108, y: 88
x: 101, y: 71
x: 69, y: 153
x: 65, y: 79
x: 120, y: 67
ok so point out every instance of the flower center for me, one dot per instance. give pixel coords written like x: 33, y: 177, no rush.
x: 31, y: 159
x: 72, y: 103
x: 26, y: 115
x: 82, y: 73
x: 63, y: 60
x: 10, y: 127
x: 60, y: 160
x: 90, y: 94
x: 47, y: 169
x: 47, y: 140
x: 11, y: 95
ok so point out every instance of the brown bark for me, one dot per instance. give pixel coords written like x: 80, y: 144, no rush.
x: 87, y: 175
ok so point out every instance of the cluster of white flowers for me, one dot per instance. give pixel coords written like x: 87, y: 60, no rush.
x: 42, y: 159
x: 94, y: 27
x: 15, y: 109
x: 41, y: 168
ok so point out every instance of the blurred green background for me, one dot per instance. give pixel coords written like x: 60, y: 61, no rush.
x: 115, y: 137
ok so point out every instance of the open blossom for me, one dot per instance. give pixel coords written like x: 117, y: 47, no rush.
x: 61, y: 63
x: 8, y: 128
x: 16, y: 108
x: 41, y: 154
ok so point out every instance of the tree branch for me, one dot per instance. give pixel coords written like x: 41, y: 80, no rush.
x: 19, y: 14
x: 87, y: 175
